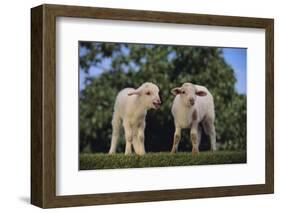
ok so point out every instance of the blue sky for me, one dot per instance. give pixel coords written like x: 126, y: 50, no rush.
x: 235, y: 57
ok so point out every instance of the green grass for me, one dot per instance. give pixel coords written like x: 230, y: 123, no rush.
x: 160, y: 159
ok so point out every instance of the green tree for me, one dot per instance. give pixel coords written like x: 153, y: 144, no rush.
x: 168, y: 67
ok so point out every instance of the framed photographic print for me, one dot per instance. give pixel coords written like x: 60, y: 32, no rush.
x: 136, y: 106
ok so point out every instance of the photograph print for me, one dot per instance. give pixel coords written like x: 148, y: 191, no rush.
x: 155, y: 105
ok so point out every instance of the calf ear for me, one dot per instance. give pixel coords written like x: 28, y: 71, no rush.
x: 136, y: 92
x: 176, y: 91
x: 201, y: 93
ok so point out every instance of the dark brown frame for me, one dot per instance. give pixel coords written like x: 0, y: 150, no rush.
x: 43, y: 105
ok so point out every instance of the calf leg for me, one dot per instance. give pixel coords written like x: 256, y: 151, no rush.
x: 194, y: 138
x: 129, y: 139
x: 116, y: 123
x: 177, y: 137
x: 140, y: 142
x: 199, y: 133
x: 210, y: 130
x: 213, y: 137
x: 140, y: 139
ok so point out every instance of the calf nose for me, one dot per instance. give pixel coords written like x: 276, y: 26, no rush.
x: 191, y: 101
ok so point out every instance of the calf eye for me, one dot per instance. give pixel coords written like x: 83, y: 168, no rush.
x: 148, y: 93
x: 183, y: 92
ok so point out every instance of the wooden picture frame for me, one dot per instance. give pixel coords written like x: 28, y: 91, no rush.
x: 43, y: 105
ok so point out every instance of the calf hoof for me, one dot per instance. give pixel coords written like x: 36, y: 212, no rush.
x: 214, y: 149
x: 128, y: 153
x: 173, y: 151
x: 140, y: 153
x: 195, y: 152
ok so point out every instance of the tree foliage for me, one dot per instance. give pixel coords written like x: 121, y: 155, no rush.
x: 129, y: 65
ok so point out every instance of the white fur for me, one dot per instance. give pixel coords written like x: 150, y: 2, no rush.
x: 183, y: 113
x: 130, y: 108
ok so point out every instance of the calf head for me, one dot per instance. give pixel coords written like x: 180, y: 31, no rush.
x: 188, y: 93
x: 148, y: 93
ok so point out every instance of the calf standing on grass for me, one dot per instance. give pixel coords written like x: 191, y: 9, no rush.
x: 193, y: 105
x: 130, y: 107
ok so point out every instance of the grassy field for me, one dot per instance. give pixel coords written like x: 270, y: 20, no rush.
x: 162, y: 159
